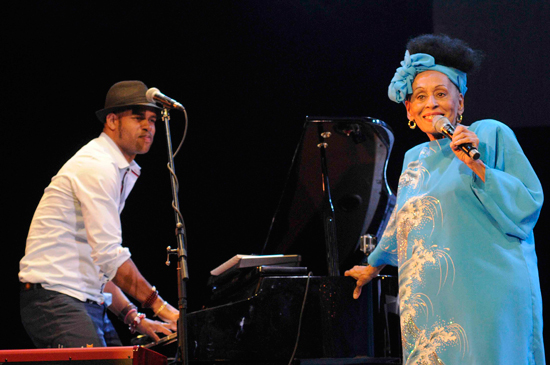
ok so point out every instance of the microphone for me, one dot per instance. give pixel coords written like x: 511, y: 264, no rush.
x: 154, y: 95
x: 442, y: 125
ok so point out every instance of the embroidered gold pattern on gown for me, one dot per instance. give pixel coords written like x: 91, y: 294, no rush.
x: 421, y: 344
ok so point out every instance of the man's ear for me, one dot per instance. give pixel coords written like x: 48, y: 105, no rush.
x: 111, y: 121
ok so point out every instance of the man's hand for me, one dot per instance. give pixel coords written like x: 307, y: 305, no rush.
x: 166, y: 312
x: 151, y: 328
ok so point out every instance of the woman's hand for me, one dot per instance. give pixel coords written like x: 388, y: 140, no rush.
x: 461, y: 136
x: 363, y: 275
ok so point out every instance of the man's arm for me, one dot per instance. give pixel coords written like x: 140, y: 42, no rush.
x: 127, y: 312
x: 129, y: 279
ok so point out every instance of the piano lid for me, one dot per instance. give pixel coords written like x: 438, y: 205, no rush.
x: 355, y: 155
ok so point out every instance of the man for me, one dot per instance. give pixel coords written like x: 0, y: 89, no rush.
x: 74, y: 266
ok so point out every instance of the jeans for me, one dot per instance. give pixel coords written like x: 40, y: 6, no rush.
x: 52, y: 319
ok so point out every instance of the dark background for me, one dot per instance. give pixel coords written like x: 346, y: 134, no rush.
x: 248, y: 72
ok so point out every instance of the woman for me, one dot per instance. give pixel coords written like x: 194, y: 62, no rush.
x: 461, y: 233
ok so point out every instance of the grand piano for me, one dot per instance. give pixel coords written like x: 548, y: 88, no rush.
x: 335, y: 195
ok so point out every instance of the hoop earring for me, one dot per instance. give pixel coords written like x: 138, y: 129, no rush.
x: 460, y: 118
x: 412, y: 124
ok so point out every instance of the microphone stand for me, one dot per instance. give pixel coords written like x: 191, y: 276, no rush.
x: 181, y: 252
x: 329, y: 219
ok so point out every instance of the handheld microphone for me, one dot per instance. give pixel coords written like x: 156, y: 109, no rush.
x: 442, y: 125
x: 154, y: 95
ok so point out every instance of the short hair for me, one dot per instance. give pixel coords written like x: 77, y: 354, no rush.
x: 451, y: 52
x: 136, y: 109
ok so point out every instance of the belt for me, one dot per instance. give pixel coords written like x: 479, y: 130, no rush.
x: 30, y: 286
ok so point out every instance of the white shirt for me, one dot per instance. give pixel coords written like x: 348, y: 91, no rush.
x: 74, y: 244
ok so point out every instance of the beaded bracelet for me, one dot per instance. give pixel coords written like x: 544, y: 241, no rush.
x: 151, y: 298
x: 137, y: 320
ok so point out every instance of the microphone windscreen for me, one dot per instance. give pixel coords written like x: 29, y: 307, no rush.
x: 439, y: 122
x: 150, y: 94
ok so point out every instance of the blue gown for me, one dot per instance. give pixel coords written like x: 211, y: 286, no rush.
x: 468, y: 280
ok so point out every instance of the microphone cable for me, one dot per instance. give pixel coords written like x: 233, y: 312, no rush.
x: 173, y: 173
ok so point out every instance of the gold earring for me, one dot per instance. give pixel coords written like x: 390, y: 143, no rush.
x: 412, y: 124
x: 460, y: 118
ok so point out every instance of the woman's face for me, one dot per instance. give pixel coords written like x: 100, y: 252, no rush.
x: 433, y: 94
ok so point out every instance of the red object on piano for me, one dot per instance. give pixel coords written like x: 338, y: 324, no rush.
x: 131, y: 355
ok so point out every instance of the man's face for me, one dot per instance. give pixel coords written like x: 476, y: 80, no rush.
x: 135, y: 130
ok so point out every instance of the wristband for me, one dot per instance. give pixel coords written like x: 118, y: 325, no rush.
x: 124, y: 312
x: 126, y: 316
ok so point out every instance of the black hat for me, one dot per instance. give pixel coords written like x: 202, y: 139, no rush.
x: 124, y: 94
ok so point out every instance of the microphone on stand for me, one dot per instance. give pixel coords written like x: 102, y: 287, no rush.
x: 444, y: 126
x: 154, y: 95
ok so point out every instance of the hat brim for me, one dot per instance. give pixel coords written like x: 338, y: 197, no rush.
x: 102, y: 114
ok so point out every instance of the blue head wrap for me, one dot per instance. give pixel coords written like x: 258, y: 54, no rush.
x: 401, y: 84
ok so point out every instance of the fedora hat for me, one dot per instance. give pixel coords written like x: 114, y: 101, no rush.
x: 125, y: 94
